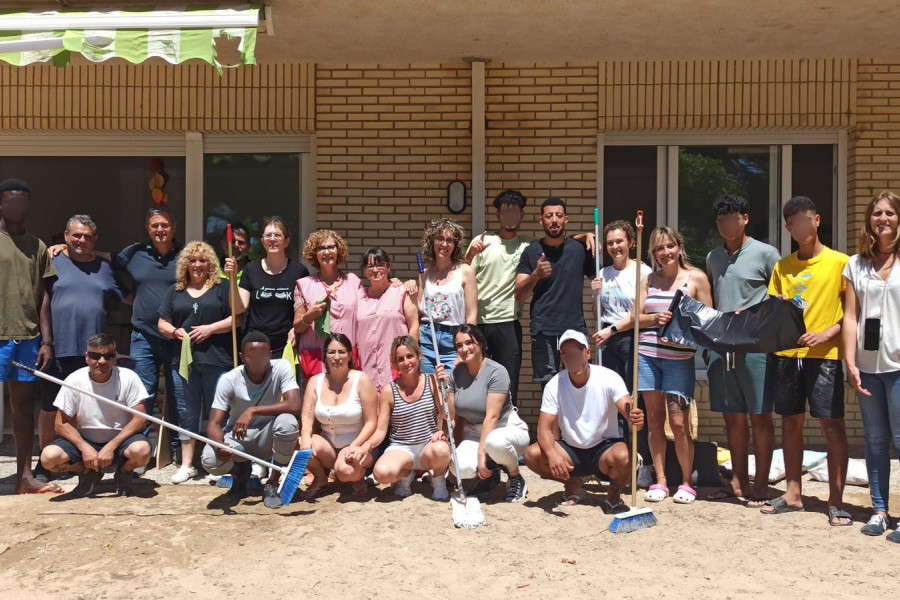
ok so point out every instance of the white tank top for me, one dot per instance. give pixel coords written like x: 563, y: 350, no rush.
x: 342, y: 422
x: 447, y: 302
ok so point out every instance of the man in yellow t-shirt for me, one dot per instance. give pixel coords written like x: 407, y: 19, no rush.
x: 813, y: 371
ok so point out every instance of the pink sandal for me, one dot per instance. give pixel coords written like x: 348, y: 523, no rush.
x: 656, y: 493
x: 685, y: 495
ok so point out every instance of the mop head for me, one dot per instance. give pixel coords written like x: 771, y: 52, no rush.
x: 466, y: 512
x: 293, y: 475
x: 633, y: 520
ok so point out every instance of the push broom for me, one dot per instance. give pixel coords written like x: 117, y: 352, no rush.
x: 598, y: 249
x: 466, y: 511
x: 636, y: 518
x: 291, y: 475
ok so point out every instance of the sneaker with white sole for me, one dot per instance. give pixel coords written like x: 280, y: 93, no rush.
x: 402, y: 488
x: 516, y: 489
x: 183, y: 474
x: 439, y: 489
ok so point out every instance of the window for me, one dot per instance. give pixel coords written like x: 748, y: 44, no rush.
x: 629, y: 185
x: 813, y: 176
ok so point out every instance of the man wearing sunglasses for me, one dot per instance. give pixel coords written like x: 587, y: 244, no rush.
x: 94, y: 436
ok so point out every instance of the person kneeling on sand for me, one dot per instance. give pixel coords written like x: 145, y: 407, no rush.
x: 581, y: 403
x: 411, y: 417
x: 258, y: 421
x: 92, y: 435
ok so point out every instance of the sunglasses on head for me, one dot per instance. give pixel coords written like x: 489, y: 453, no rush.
x: 98, y: 355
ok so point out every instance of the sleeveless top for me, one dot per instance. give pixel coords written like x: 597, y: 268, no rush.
x: 311, y: 290
x: 379, y: 321
x: 447, y: 302
x: 342, y: 422
x: 650, y: 344
x: 413, y: 423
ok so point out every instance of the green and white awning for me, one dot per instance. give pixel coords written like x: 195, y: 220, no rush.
x: 134, y: 35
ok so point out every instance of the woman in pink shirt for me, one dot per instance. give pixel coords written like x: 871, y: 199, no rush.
x: 384, y: 312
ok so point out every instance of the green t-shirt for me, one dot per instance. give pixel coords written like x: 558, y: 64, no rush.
x: 24, y: 265
x: 495, y: 273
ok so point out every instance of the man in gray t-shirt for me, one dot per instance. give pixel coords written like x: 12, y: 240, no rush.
x: 739, y: 272
x: 258, y: 421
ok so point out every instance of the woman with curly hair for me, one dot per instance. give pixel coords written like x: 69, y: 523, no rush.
x: 196, y: 306
x: 448, y: 292
x: 325, y: 302
x: 267, y: 285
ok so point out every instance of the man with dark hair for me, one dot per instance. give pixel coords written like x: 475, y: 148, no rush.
x: 813, y: 372
x: 240, y: 245
x: 739, y: 272
x: 93, y: 435
x: 80, y: 293
x: 26, y: 334
x: 495, y: 259
x: 552, y: 270
x: 249, y: 398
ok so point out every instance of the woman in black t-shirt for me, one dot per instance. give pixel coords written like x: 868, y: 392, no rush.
x: 196, y: 307
x: 267, y: 287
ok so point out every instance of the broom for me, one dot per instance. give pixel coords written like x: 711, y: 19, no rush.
x: 466, y: 511
x: 636, y: 518
x: 291, y: 475
x: 232, y: 286
x: 597, y: 250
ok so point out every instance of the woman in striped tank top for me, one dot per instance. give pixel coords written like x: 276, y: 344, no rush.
x: 666, y: 370
x: 410, y: 417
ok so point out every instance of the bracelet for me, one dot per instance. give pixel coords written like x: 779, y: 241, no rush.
x: 45, y: 343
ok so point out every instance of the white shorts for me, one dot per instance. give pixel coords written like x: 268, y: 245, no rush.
x: 414, y: 451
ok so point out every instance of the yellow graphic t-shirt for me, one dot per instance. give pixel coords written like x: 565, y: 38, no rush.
x: 817, y: 285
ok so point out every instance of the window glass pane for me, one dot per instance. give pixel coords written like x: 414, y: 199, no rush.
x: 629, y: 185
x: 706, y: 172
x: 813, y: 176
x: 245, y: 188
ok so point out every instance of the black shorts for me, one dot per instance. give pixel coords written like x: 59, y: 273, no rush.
x: 587, y: 460
x: 792, y: 382
x: 61, y: 367
x: 75, y: 454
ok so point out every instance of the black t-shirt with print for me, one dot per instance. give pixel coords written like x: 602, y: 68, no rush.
x: 271, y: 308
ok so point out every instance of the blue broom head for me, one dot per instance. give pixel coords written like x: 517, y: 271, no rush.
x: 293, y: 475
x: 633, y: 520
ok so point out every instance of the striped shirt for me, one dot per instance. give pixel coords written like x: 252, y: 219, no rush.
x: 413, y: 423
x: 650, y: 345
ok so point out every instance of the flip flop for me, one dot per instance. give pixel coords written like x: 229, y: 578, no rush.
x: 573, y: 498
x: 780, y: 506
x: 835, y: 513
x: 49, y: 488
x: 613, y: 509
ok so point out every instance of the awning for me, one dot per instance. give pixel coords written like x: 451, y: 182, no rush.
x: 133, y: 34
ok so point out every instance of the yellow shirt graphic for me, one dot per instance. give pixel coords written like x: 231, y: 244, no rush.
x: 817, y: 285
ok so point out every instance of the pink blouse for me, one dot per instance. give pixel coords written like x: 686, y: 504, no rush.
x: 379, y: 321
x: 311, y: 290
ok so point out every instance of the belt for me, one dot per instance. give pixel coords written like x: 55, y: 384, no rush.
x: 442, y: 327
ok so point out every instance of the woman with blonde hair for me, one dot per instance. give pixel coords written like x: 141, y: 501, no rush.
x: 666, y: 370
x: 872, y: 346
x: 447, y: 290
x: 196, y: 307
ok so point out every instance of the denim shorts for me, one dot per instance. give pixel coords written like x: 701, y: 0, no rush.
x: 22, y: 351
x: 676, y: 377
x: 446, y: 347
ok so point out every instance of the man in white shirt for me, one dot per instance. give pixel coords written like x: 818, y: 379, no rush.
x: 93, y: 435
x: 578, y: 430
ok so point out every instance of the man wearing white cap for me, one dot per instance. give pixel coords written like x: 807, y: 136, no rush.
x: 580, y: 405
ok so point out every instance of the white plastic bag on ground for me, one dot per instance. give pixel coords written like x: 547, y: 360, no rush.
x: 776, y: 471
x: 856, y: 472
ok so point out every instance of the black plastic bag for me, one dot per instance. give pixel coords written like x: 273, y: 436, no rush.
x: 770, y: 326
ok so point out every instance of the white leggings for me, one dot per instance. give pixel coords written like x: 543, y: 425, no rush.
x: 504, y: 446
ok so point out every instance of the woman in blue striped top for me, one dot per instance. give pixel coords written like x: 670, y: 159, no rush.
x: 410, y: 417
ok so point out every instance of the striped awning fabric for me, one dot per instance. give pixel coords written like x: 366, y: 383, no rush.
x: 135, y: 35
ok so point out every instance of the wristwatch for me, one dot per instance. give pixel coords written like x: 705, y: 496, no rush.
x: 614, y: 329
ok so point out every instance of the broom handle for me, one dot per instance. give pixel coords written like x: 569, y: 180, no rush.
x: 639, y: 223
x: 443, y: 386
x: 597, y: 255
x: 232, y: 286
x: 150, y: 418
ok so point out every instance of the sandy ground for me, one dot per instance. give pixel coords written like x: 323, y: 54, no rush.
x: 185, y: 541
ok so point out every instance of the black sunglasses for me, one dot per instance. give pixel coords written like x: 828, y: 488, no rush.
x: 98, y: 355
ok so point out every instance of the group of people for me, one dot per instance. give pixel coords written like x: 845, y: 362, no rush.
x: 358, y: 369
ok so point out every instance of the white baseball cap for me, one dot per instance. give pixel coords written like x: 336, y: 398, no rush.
x: 572, y: 334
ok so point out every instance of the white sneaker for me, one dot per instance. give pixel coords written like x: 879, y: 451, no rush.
x: 402, y: 488
x: 183, y: 474
x: 439, y: 488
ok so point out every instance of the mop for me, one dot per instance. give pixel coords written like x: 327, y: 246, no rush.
x: 636, y: 518
x: 466, y: 511
x: 291, y: 475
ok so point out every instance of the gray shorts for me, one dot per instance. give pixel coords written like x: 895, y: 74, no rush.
x: 740, y: 389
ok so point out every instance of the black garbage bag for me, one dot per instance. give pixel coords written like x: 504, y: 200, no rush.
x: 770, y: 326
